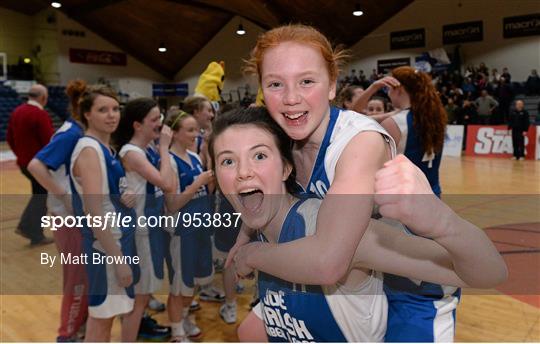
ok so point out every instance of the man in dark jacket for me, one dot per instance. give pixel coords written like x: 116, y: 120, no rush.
x: 519, y: 124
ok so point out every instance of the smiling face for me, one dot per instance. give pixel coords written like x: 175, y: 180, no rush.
x: 104, y: 115
x: 204, y: 115
x: 251, y: 173
x: 375, y: 107
x: 187, y: 132
x: 151, y: 125
x: 297, y: 89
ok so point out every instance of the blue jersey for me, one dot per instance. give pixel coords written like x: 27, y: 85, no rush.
x: 419, y: 311
x: 56, y: 155
x: 187, y: 172
x: 294, y: 312
x: 155, y: 197
x: 342, y: 128
x: 411, y: 146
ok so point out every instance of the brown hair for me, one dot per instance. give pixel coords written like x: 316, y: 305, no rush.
x: 346, y: 95
x: 259, y: 117
x: 334, y: 57
x: 194, y: 103
x: 82, y: 96
x: 175, y: 117
x: 429, y: 116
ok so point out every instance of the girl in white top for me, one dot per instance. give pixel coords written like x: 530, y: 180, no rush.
x: 148, y: 177
x: 99, y: 180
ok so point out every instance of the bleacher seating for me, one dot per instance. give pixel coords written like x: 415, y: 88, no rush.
x: 9, y: 100
x: 58, y: 101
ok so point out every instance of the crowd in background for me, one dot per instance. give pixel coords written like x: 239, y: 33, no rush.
x: 478, y: 96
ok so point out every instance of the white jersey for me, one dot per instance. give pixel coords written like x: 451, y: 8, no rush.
x: 342, y: 128
x: 135, y: 182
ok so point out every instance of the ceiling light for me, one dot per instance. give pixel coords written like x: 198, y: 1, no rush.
x: 240, y: 31
x: 357, y: 11
x: 27, y: 60
x: 56, y: 4
x: 162, y: 48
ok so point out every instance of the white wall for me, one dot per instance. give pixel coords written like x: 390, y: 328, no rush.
x: 520, y: 55
x: 136, y: 78
x: 225, y: 46
x: 16, y: 35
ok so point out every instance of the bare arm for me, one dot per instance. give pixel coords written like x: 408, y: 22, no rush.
x: 361, y: 103
x: 87, y: 167
x: 163, y: 178
x: 40, y: 171
x: 325, y: 257
x: 388, y: 249
x: 403, y: 193
x: 392, y: 128
x: 175, y: 201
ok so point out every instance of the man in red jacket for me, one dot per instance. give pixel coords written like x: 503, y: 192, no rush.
x: 29, y: 129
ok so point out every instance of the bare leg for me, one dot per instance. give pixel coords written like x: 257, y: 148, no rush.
x: 132, y: 321
x: 98, y: 330
x: 252, y: 329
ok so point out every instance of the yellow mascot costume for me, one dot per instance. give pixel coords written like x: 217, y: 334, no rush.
x: 211, y: 81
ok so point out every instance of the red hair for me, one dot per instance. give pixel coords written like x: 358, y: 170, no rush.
x: 334, y: 57
x: 429, y: 116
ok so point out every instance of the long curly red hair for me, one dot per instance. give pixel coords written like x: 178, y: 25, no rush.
x: 429, y: 116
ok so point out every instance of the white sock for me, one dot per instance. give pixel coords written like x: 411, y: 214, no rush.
x: 177, y: 329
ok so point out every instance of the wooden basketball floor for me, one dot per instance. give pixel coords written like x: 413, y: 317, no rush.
x: 499, y: 195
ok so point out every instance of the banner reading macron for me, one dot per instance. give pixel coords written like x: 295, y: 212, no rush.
x: 496, y: 141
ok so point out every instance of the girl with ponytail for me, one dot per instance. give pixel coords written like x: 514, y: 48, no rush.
x: 148, y: 177
x: 418, y: 127
x: 50, y: 167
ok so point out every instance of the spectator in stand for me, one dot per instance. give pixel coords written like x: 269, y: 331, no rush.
x: 519, y: 124
x: 374, y: 76
x: 443, y: 94
x: 468, y: 86
x: 451, y: 111
x: 495, y: 76
x: 485, y: 105
x: 456, y: 93
x: 481, y: 81
x: 532, y: 85
x: 466, y: 115
x: 505, y: 94
x: 483, y: 69
x: 470, y: 72
x: 506, y: 75
x: 30, y: 129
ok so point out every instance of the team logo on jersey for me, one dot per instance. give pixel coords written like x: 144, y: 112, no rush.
x: 279, y: 322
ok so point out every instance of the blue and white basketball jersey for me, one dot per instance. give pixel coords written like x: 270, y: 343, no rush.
x: 155, y: 197
x: 149, y: 197
x: 187, y: 173
x: 343, y: 127
x: 113, y: 184
x: 56, y: 155
x: 419, y: 311
x: 294, y: 312
x: 410, y: 145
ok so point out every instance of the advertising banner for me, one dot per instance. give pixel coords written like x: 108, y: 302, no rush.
x: 496, y: 141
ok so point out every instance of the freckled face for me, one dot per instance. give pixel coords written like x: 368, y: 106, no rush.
x: 297, y: 88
